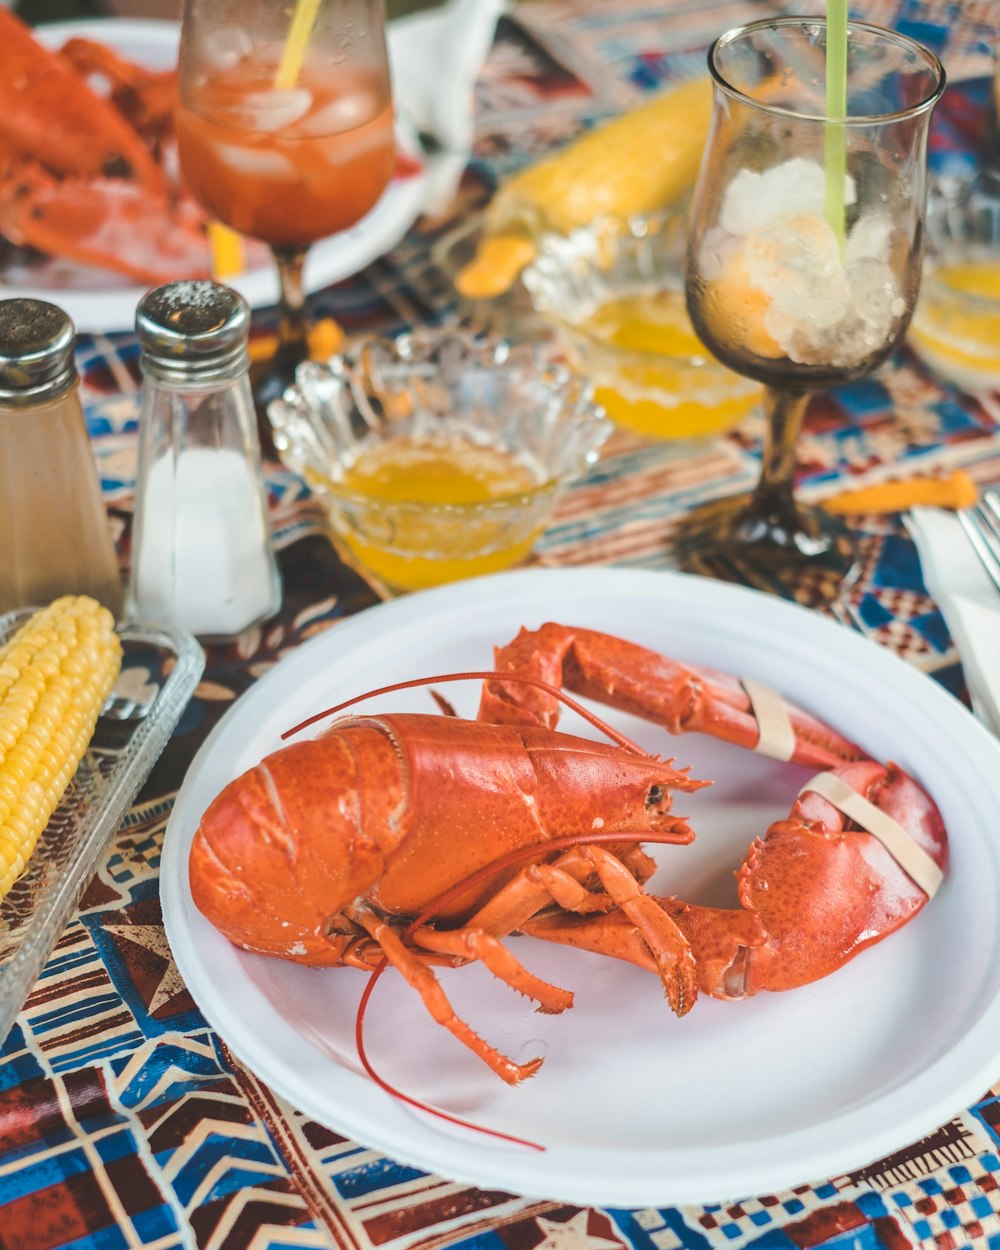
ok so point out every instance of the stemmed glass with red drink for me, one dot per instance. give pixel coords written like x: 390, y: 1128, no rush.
x: 285, y: 132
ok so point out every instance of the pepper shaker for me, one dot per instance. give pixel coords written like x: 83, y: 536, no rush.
x: 54, y: 532
x: 203, y: 555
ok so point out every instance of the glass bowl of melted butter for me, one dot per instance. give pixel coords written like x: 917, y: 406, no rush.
x: 438, y: 455
x: 956, y: 325
x: 613, y: 292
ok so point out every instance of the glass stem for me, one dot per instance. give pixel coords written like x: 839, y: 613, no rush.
x: 784, y: 410
x: 293, y: 342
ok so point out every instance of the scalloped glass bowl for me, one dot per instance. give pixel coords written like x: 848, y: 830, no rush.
x: 956, y: 324
x: 504, y: 407
x: 614, y: 293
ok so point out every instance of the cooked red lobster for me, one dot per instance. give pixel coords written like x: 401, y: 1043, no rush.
x: 422, y: 839
x: 83, y: 172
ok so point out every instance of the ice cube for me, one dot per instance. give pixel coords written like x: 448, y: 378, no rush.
x: 753, y: 201
x: 346, y: 112
x: 797, y: 265
x: 255, y: 162
x: 716, y: 253
x: 271, y: 111
x: 871, y: 236
x: 875, y: 294
x: 226, y: 47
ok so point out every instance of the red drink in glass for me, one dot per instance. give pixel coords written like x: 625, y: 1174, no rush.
x: 288, y: 166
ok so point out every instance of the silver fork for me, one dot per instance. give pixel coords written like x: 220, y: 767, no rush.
x: 981, y: 523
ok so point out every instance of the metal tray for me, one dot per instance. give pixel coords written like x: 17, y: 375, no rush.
x: 161, y: 666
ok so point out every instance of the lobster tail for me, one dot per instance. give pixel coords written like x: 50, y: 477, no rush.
x: 269, y: 863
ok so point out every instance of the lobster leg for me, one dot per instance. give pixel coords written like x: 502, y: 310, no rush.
x: 469, y: 944
x: 530, y: 889
x: 680, y: 697
x: 420, y: 976
x: 669, y: 948
x: 539, y: 885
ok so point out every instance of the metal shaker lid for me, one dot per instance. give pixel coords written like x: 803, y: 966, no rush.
x: 37, y: 342
x: 194, y: 330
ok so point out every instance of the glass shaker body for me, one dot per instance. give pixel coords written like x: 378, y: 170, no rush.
x: 54, y: 532
x: 202, y: 553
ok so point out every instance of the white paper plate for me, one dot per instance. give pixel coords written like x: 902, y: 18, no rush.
x: 634, y: 1106
x: 111, y: 305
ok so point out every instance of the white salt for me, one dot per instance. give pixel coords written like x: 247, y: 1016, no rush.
x: 204, y: 558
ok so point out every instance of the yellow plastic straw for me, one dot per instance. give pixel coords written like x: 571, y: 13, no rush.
x: 836, y: 111
x: 293, y: 53
x: 228, y: 252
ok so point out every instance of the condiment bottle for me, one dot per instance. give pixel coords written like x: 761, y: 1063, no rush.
x: 54, y: 532
x: 202, y: 554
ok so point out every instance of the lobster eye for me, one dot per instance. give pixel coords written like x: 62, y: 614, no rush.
x: 655, y: 796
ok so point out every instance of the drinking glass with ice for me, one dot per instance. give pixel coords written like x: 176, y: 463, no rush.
x: 803, y: 261
x: 285, y: 132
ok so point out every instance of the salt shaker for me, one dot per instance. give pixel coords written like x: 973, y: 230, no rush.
x: 202, y: 554
x: 54, y: 532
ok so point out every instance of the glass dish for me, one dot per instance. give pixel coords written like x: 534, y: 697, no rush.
x: 614, y: 292
x: 956, y: 324
x: 439, y: 455
x: 510, y: 315
x: 160, y: 669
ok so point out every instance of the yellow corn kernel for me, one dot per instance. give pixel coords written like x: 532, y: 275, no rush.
x: 55, y: 674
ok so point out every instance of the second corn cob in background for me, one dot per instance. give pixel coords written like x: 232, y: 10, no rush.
x: 55, y: 674
x: 638, y: 162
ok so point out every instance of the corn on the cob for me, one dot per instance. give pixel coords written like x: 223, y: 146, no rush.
x: 55, y: 673
x: 638, y: 162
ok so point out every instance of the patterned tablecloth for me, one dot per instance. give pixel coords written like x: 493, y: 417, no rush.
x: 124, y: 1120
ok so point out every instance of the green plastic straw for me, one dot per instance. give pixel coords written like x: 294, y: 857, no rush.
x: 835, y: 152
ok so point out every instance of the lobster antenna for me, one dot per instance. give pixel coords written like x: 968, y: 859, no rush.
x: 589, y: 716
x: 431, y: 910
x: 382, y: 1083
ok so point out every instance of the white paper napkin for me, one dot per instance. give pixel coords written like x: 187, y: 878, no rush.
x: 436, y: 56
x: 969, y: 603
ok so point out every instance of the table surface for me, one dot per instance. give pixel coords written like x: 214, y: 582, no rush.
x: 124, y: 1120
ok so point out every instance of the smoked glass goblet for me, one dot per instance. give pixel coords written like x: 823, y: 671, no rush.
x: 803, y: 262
x: 285, y: 133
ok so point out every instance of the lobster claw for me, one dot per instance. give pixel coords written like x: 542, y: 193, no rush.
x: 110, y: 223
x: 814, y: 891
x: 84, y: 171
x: 682, y: 698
